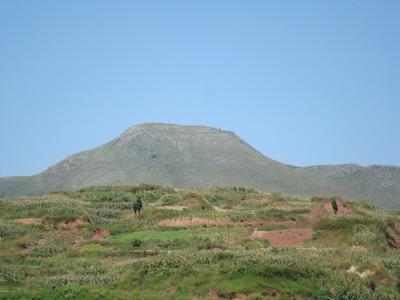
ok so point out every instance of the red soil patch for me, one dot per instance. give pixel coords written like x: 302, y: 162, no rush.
x: 221, y: 222
x: 285, y: 238
x: 99, y: 233
x: 324, y: 209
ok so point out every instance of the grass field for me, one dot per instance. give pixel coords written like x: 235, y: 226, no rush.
x: 222, y: 243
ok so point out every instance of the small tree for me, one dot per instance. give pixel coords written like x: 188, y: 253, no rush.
x: 137, y: 205
x: 334, y: 205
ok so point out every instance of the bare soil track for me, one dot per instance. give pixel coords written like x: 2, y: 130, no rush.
x: 221, y: 222
x: 99, y: 233
x: 285, y: 238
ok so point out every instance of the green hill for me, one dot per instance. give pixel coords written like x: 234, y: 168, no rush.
x: 199, y: 156
x: 219, y: 243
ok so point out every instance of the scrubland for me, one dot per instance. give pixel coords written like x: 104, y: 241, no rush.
x: 221, y: 243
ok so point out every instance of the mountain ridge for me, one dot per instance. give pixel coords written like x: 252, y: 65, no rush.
x: 202, y: 156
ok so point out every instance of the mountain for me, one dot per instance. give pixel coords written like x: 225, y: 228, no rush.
x: 200, y: 156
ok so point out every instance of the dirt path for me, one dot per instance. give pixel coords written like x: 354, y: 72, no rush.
x: 221, y: 222
x: 285, y: 238
x: 194, y: 222
x: 221, y: 209
x: 28, y: 221
x: 240, y: 203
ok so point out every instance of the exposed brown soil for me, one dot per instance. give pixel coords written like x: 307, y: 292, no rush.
x: 71, y: 224
x: 239, y: 297
x: 70, y: 235
x: 393, y: 241
x: 285, y: 238
x: 240, y: 203
x: 28, y: 221
x: 77, y: 222
x: 190, y: 201
x: 213, y: 295
x: 324, y: 208
x: 221, y: 222
x: 99, y: 234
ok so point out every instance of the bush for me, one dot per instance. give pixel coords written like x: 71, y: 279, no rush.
x: 364, y: 235
x: 11, y: 230
x: 346, y: 223
x: 150, y: 196
x: 171, y: 199
x: 12, y: 275
x: 106, y: 213
x: 136, y: 243
x: 103, y: 196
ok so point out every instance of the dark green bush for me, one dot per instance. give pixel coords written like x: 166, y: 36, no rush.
x: 136, y: 243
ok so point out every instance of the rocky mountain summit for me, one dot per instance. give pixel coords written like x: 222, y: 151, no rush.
x: 200, y: 156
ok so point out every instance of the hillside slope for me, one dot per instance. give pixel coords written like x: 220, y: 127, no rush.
x: 218, y: 243
x: 187, y: 156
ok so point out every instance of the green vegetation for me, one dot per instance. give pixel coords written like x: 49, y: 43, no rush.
x: 221, y: 243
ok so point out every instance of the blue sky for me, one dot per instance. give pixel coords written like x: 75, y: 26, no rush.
x: 304, y: 82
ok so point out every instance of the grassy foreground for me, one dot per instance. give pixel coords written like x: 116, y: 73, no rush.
x: 223, y: 243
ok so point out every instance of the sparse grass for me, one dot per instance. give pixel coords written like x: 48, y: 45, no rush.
x: 152, y: 235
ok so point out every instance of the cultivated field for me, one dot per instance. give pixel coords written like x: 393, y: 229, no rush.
x: 222, y: 243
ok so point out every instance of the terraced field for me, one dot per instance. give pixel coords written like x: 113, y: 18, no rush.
x: 222, y: 243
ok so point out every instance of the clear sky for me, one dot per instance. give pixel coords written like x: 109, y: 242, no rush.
x: 304, y: 82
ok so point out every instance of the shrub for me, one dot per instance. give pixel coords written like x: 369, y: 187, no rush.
x: 106, y: 213
x: 334, y: 205
x: 102, y: 196
x: 136, y: 243
x: 150, y: 196
x: 276, y: 197
x: 12, y: 275
x: 11, y: 230
x: 346, y: 223
x: 364, y: 235
x: 171, y: 199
